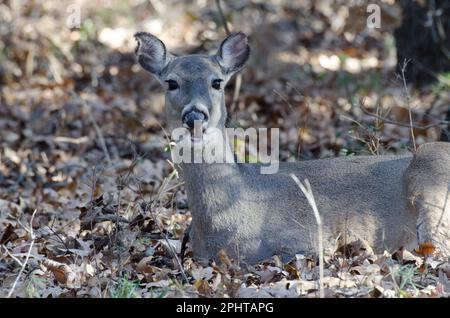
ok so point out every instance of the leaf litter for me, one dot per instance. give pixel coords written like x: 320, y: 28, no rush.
x: 111, y: 212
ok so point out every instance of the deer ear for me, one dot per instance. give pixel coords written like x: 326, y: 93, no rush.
x: 151, y: 53
x: 233, y: 53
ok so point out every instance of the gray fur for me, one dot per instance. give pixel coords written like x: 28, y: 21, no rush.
x: 385, y: 201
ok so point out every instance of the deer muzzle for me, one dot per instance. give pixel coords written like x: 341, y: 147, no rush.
x: 195, y: 116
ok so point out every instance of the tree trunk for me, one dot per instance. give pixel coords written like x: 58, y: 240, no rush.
x: 424, y: 39
x: 445, y: 134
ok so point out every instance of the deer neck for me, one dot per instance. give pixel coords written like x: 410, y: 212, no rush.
x: 210, y: 185
x: 203, y: 174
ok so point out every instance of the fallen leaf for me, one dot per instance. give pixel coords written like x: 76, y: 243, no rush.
x: 8, y: 234
x: 224, y: 257
x: 202, y: 286
x: 63, y: 273
x: 426, y: 248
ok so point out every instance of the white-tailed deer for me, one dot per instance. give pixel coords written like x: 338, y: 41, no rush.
x: 385, y: 201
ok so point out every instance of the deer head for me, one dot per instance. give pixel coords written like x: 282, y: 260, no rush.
x: 194, y: 83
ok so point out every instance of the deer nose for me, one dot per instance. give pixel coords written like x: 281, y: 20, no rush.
x: 190, y: 117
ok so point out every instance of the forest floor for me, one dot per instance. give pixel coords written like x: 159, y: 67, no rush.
x: 90, y: 204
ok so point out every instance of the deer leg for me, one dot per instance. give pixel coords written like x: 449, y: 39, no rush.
x: 433, y: 222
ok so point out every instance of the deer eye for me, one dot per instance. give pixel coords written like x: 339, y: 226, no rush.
x: 172, y: 85
x: 216, y: 83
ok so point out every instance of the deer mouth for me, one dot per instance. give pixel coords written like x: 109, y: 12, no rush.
x: 197, y: 133
x: 196, y: 122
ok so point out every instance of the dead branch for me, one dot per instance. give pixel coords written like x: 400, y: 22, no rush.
x: 12, y: 256
x: 222, y: 17
x: 150, y: 206
x: 238, y: 81
x: 386, y: 120
x: 408, y: 102
x: 26, y: 258
x: 97, y: 129
x: 186, y: 236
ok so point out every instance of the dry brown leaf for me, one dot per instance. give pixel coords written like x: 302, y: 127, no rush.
x: 292, y: 270
x: 203, y: 287
x: 8, y: 234
x: 143, y: 265
x: 224, y: 258
x: 63, y: 273
x: 406, y: 257
x: 426, y: 249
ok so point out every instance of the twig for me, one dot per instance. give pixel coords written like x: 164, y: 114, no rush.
x: 162, y: 189
x: 408, y: 103
x: 371, y: 138
x: 386, y: 120
x: 97, y: 130
x: 284, y: 99
x: 307, y: 191
x: 12, y: 256
x: 117, y: 216
x: 237, y: 91
x: 57, y: 235
x: 187, y: 234
x: 297, y: 123
x: 238, y: 81
x: 26, y: 258
x: 93, y: 187
x: 174, y: 253
x: 69, y: 140
x: 222, y: 17
x: 305, y: 121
